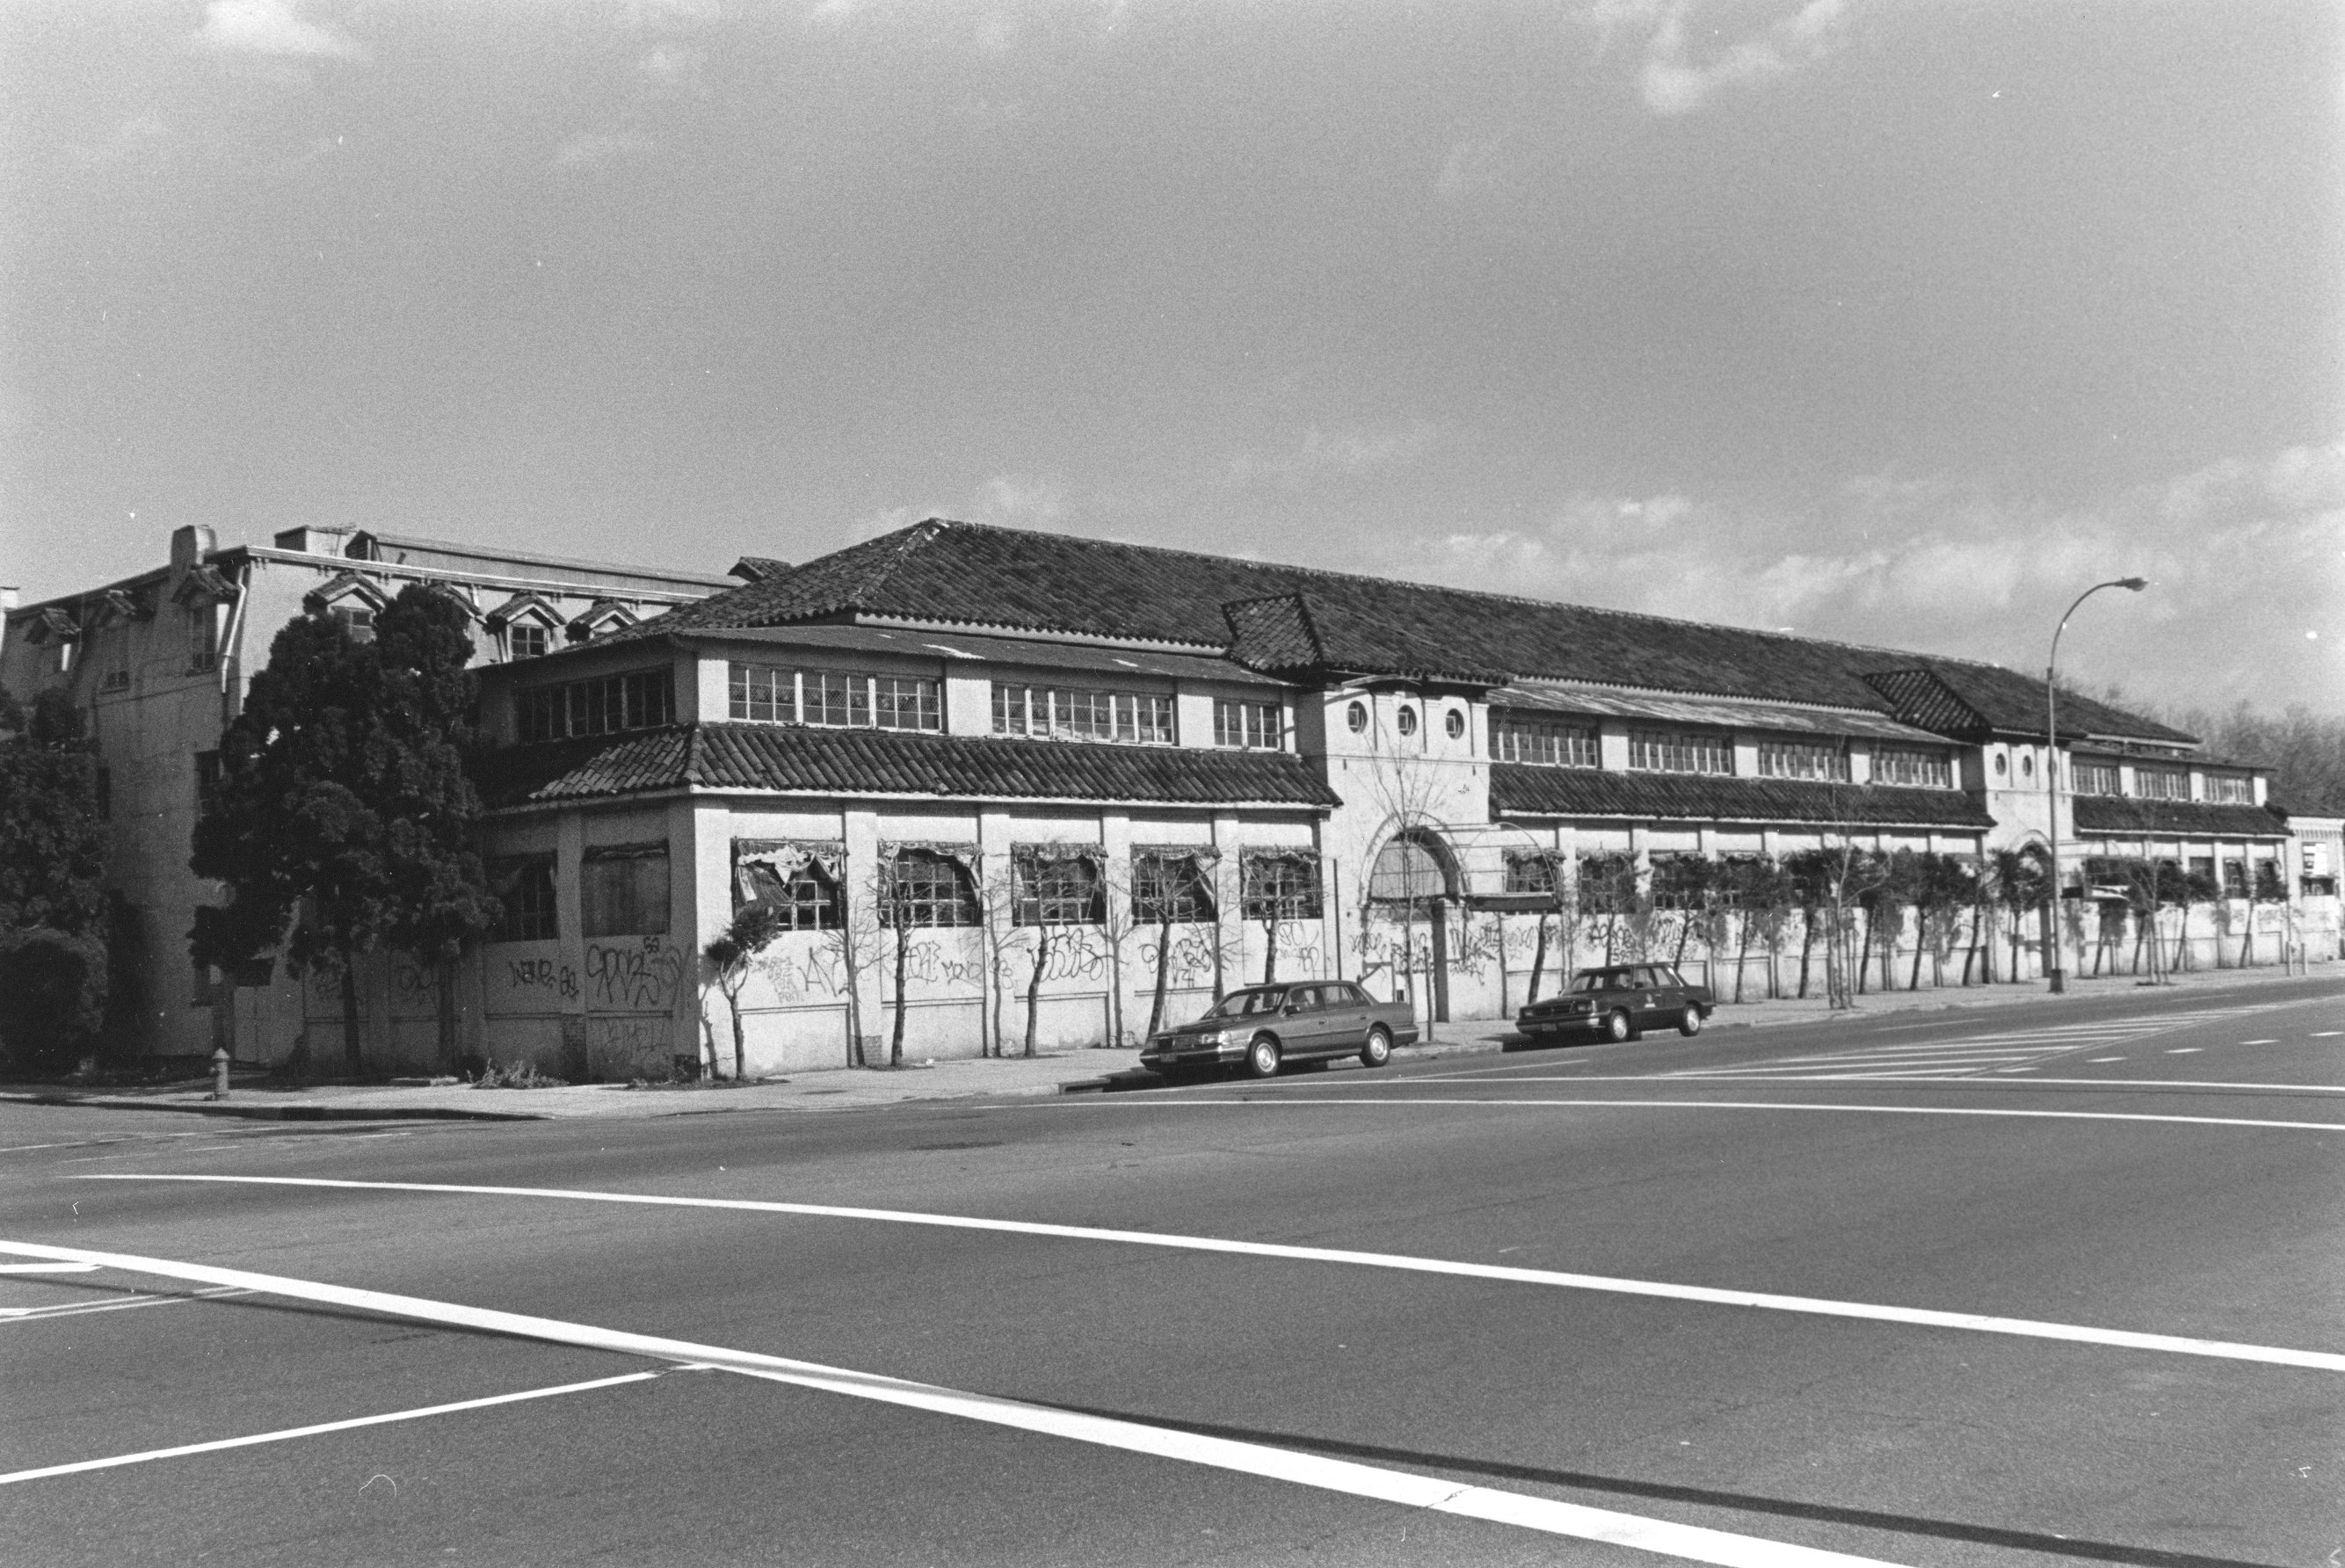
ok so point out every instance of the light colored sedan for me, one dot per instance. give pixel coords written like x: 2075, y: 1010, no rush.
x: 1263, y: 1027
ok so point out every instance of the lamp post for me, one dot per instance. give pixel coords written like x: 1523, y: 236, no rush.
x: 2052, y: 971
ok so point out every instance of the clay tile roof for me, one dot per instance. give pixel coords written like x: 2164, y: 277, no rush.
x: 971, y: 574
x: 1517, y: 789
x: 801, y: 760
x: 1274, y: 632
x: 2122, y: 814
x: 1975, y: 700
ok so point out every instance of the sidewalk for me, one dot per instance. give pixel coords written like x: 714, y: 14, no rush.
x: 1059, y: 1073
x: 265, y: 1099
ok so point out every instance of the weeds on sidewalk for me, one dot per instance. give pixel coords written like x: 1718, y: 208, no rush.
x: 519, y: 1075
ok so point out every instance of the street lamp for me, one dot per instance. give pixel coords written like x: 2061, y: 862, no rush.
x: 2052, y: 970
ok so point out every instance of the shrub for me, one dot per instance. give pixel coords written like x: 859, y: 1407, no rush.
x: 51, y: 995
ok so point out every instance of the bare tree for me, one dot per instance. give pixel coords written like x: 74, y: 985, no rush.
x: 729, y: 957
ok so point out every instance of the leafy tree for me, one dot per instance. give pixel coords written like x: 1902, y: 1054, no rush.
x: 52, y: 841
x: 52, y: 994
x: 730, y: 956
x: 342, y: 822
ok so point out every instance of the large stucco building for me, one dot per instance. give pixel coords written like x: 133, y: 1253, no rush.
x: 161, y: 661
x: 1027, y: 752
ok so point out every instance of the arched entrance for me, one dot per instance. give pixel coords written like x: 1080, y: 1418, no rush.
x: 1415, y: 879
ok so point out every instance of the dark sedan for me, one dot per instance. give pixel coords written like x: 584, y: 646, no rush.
x: 1263, y: 1027
x: 1621, y: 1002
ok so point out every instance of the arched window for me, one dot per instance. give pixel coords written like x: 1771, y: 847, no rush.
x: 923, y: 888
x: 1408, y: 870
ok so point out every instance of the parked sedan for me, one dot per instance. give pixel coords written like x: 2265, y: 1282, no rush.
x: 1263, y: 1027
x: 1621, y: 1002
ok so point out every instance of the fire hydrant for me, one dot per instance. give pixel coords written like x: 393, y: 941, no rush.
x: 220, y: 1060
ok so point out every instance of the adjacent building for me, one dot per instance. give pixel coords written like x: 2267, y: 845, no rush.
x: 162, y: 660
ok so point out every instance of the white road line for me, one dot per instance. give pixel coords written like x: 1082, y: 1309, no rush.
x: 2104, y: 1058
x: 1400, y: 1487
x: 1179, y: 1101
x: 2259, y: 1042
x: 2325, y: 1034
x: 290, y: 1433
x: 1676, y: 1078
x: 125, y: 1304
x: 48, y: 1268
x: 1923, y: 1316
x: 2186, y: 1050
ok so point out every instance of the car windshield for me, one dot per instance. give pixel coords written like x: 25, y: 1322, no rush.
x: 1247, y: 1003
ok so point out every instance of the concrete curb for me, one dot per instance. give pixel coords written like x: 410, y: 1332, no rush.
x: 287, y: 1113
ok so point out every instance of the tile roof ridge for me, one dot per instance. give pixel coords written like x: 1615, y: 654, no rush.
x: 1579, y: 683
x: 1485, y: 593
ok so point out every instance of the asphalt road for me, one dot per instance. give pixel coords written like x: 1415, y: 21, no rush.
x: 1963, y: 1212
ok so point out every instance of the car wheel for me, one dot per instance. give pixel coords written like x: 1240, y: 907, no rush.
x: 1689, y: 1020
x: 1379, y: 1050
x: 1617, y: 1027
x: 1262, y: 1057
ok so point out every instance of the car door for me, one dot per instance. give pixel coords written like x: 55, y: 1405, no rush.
x: 1305, y: 1024
x: 1646, y: 1002
x: 1346, y: 1008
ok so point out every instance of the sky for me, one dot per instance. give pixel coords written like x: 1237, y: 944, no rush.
x: 1899, y: 321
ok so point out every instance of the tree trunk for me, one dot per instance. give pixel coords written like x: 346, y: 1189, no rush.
x: 1163, y: 968
x: 1864, y: 959
x: 1034, y: 986
x: 1538, y: 962
x: 1920, y: 941
x: 1270, y: 950
x: 740, y: 1042
x: 903, y: 955
x: 443, y: 980
x: 351, y: 1057
x: 1807, y: 945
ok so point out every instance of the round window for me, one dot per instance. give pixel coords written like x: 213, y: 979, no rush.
x: 2001, y: 765
x: 1407, y: 720
x: 1455, y: 723
x: 2027, y: 765
x: 1356, y: 716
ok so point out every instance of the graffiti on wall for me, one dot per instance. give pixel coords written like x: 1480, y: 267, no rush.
x: 641, y: 975
x: 542, y: 978
x: 1188, y: 957
x: 627, y: 1047
x: 415, y: 988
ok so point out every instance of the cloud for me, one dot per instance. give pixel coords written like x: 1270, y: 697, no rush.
x: 1343, y: 454
x: 274, y: 29
x: 600, y: 149
x: 2245, y: 555
x: 1017, y: 502
x: 1686, y: 63
x: 672, y: 70
x: 1470, y: 167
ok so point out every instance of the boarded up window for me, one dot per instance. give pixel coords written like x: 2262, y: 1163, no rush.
x: 622, y: 890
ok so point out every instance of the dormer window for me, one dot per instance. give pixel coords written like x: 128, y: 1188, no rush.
x: 1680, y: 751
x: 526, y: 623
x: 2161, y: 783
x: 2230, y: 789
x: 351, y: 602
